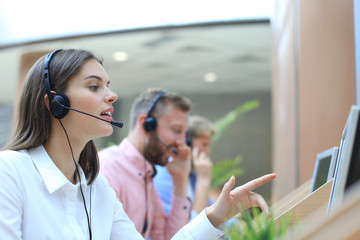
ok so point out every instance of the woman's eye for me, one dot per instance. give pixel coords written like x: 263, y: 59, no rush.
x: 94, y: 88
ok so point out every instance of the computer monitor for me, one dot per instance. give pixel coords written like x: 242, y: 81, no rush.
x: 347, y: 170
x: 334, y: 156
x: 324, y: 161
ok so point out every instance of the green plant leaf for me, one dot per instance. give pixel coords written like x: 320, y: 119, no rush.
x: 257, y: 226
x: 224, y: 169
x: 223, y: 123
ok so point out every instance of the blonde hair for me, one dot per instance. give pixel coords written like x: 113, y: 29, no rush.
x: 200, y: 127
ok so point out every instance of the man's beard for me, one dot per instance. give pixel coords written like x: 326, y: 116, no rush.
x: 154, y: 152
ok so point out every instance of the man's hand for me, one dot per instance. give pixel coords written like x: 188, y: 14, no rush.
x: 179, y: 169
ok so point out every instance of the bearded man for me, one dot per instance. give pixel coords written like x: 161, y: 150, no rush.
x: 158, y: 123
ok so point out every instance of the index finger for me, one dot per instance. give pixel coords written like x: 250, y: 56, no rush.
x: 257, y: 182
x: 195, y: 153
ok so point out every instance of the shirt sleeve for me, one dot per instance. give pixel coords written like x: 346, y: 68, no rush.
x: 199, y: 228
x: 179, y: 215
x: 164, y: 227
x: 122, y: 227
x: 163, y: 185
x: 10, y: 201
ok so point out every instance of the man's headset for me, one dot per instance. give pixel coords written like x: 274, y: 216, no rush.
x: 150, y: 125
x: 188, y: 140
x: 59, y: 104
x: 150, y: 122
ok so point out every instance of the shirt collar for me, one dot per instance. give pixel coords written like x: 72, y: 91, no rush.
x: 53, y: 178
x: 136, y: 159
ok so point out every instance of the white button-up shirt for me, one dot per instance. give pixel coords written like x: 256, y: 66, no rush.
x: 38, y: 202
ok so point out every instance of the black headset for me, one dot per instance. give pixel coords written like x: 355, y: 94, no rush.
x: 150, y: 121
x: 188, y: 140
x: 150, y: 124
x: 58, y: 101
x: 59, y: 106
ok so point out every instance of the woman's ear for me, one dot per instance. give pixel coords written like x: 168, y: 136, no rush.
x: 47, y: 101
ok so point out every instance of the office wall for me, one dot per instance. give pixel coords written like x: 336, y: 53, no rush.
x: 357, y: 47
x: 6, y: 122
x: 313, y: 84
x: 7, y: 111
x: 284, y: 117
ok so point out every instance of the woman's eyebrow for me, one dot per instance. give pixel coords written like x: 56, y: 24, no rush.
x: 94, y: 76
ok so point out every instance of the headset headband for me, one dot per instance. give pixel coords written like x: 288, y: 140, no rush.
x: 156, y: 99
x: 47, y: 60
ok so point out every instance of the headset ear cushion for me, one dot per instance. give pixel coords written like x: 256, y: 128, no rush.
x: 150, y: 124
x: 188, y: 141
x: 58, y: 106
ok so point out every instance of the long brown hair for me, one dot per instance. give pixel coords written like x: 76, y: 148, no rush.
x: 33, y: 120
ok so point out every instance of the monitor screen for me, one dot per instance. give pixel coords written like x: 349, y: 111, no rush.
x: 347, y: 170
x: 321, y: 168
x: 353, y: 172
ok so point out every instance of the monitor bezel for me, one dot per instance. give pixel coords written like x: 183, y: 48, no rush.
x: 349, y: 135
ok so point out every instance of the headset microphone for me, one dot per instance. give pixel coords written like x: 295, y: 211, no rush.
x: 115, y: 123
x: 158, y: 139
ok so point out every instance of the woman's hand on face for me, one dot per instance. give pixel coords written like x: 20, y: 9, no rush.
x: 202, y: 164
x: 231, y: 202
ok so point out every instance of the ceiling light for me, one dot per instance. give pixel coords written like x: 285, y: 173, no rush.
x: 210, y: 77
x: 120, y: 56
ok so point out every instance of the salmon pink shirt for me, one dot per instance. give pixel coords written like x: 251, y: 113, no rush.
x: 130, y: 175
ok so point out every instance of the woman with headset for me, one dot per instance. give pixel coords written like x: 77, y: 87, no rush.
x: 50, y: 187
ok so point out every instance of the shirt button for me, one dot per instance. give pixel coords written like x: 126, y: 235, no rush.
x: 185, y: 207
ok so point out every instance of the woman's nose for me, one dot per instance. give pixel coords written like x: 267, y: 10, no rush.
x: 111, y: 97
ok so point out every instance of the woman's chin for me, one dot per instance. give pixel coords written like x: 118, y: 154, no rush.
x: 106, y: 132
x: 109, y: 132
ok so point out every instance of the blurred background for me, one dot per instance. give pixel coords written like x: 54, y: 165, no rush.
x: 279, y: 55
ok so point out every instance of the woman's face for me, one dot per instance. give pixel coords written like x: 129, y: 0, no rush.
x: 89, y: 91
x: 203, y: 144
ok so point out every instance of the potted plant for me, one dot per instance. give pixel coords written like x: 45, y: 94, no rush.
x: 253, y: 225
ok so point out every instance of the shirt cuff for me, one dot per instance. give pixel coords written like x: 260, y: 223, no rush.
x: 182, y: 205
x: 201, y: 228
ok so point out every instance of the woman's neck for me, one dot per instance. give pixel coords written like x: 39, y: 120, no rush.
x: 59, y: 151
